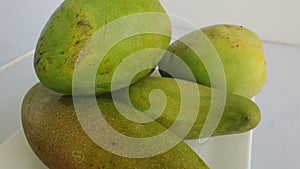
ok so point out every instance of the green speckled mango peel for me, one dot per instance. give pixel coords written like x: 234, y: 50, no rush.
x: 240, y: 51
x: 73, y: 25
x: 240, y: 114
x: 56, y: 136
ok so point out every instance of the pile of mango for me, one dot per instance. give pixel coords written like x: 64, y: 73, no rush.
x: 87, y: 41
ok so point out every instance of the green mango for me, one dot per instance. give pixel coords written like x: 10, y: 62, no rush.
x: 53, y: 130
x: 239, y: 115
x: 240, y: 51
x: 91, y: 38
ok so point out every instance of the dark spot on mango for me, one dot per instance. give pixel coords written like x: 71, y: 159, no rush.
x: 247, y: 119
x: 84, y: 25
x: 227, y: 26
x: 106, y: 71
x: 50, y: 62
x: 83, y: 22
x: 37, y: 60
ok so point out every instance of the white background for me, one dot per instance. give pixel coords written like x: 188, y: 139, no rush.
x: 276, y: 139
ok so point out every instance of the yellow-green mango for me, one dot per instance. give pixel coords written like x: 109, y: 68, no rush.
x: 53, y: 130
x: 82, y: 31
x: 240, y: 114
x: 240, y: 51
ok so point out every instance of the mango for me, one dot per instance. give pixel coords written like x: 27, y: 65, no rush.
x: 53, y: 130
x: 90, y: 39
x: 239, y: 114
x: 240, y: 52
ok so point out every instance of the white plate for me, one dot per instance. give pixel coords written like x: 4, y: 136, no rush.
x: 16, y: 153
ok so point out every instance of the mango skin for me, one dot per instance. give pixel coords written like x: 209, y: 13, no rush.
x: 75, y: 22
x: 240, y: 113
x: 240, y: 51
x: 55, y: 135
